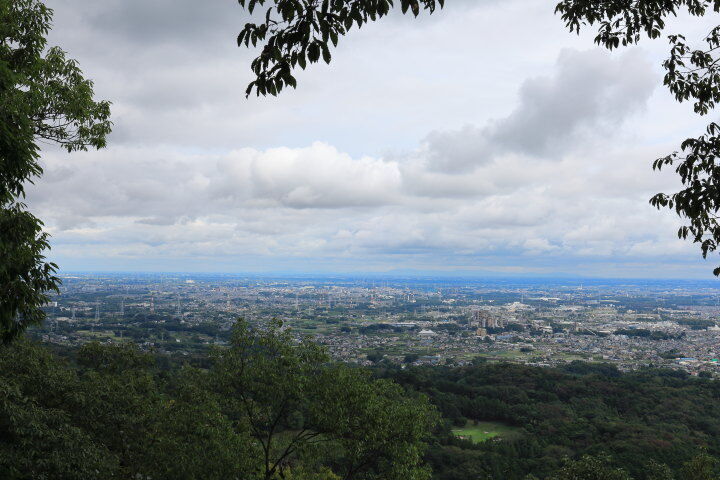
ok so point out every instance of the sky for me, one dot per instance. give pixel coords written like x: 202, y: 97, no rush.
x: 482, y: 140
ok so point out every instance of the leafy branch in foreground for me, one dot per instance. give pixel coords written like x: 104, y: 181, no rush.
x: 297, y: 32
x: 43, y: 98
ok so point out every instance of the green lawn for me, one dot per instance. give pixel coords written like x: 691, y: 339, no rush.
x: 481, y: 431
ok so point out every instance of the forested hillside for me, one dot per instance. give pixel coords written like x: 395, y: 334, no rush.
x: 269, y: 407
x: 266, y: 408
x: 638, y: 419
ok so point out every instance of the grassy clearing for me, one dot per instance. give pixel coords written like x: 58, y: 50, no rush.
x: 481, y: 431
x: 99, y: 335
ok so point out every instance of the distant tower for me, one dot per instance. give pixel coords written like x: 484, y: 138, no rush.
x: 152, y: 304
x: 97, y: 311
x: 178, y: 310
x: 122, y: 307
x: 73, y: 313
x: 297, y: 303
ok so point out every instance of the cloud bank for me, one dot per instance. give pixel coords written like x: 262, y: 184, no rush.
x: 544, y: 170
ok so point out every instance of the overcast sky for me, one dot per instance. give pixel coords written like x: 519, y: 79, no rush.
x: 484, y: 139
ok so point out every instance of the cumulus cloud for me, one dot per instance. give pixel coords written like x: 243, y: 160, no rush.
x: 163, y: 186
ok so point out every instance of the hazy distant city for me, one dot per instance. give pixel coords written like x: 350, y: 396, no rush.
x: 404, y: 320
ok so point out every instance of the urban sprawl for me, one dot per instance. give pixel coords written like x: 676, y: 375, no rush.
x: 631, y: 324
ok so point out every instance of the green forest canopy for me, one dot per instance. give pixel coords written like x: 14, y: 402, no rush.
x: 268, y: 407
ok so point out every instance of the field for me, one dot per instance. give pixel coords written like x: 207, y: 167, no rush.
x: 481, y: 431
